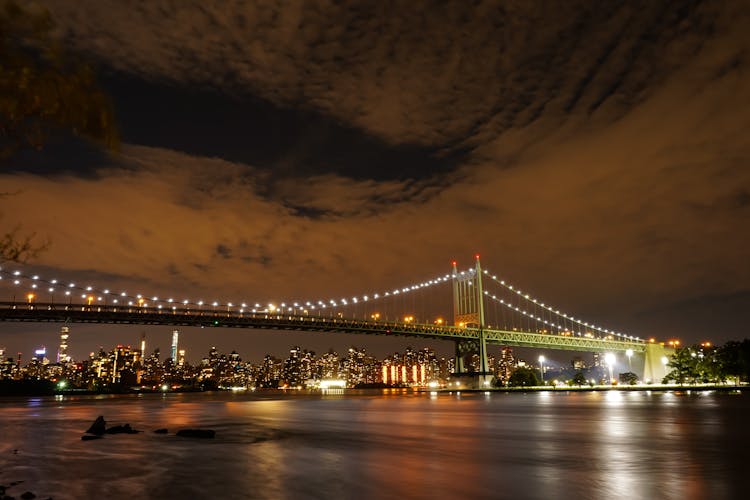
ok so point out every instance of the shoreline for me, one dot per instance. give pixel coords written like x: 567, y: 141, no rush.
x: 413, y: 390
x: 602, y: 388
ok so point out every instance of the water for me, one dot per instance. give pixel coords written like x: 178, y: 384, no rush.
x: 681, y: 445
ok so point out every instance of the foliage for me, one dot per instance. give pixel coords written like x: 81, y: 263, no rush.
x: 628, y: 378
x: 704, y: 364
x: 734, y: 359
x: 579, y: 379
x: 16, y: 247
x: 41, y: 90
x: 523, y: 377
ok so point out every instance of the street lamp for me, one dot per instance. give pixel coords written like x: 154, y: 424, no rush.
x: 609, y: 358
x: 541, y: 367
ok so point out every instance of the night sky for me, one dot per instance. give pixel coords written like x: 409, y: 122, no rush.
x: 596, y: 153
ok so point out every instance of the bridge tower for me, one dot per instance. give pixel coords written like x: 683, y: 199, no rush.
x: 468, y: 312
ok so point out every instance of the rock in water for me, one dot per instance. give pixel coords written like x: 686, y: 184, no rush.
x: 121, y: 429
x: 89, y: 438
x: 28, y: 495
x: 98, y: 427
x: 161, y: 431
x: 197, y: 433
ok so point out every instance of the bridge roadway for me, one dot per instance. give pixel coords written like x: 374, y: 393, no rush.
x: 48, y: 312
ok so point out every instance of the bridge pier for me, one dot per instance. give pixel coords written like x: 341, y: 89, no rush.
x: 464, y: 375
x: 654, y: 366
x: 468, y: 311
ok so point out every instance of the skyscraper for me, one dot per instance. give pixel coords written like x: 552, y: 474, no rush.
x: 143, y: 345
x: 62, y: 352
x: 175, y: 336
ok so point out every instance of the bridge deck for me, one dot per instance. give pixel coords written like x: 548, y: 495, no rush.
x: 41, y: 312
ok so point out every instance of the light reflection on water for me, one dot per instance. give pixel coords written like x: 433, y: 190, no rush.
x: 372, y: 445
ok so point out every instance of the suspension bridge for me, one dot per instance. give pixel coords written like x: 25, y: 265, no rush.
x: 482, y: 308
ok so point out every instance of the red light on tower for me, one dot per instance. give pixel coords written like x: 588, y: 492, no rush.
x: 453, y: 263
x: 476, y: 256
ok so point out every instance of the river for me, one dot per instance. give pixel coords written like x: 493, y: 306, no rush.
x: 360, y: 445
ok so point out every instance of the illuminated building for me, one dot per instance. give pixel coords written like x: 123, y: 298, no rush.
x: 41, y: 355
x: 328, y: 365
x: 62, y: 352
x: 505, y: 364
x: 298, y: 367
x: 175, y: 337
x: 269, y: 372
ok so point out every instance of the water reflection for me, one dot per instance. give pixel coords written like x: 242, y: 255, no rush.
x: 537, y: 445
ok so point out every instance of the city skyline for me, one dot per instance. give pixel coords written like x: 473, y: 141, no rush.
x: 136, y: 368
x: 325, y: 150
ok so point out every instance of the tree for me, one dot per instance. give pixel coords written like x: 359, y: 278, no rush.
x: 628, y: 378
x: 579, y: 378
x: 684, y: 365
x: 17, y: 247
x: 42, y: 92
x: 733, y: 359
x: 523, y: 377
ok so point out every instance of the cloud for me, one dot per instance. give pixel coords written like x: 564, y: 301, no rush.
x: 430, y: 73
x: 608, y: 170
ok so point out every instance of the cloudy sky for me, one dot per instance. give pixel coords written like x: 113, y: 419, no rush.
x: 595, y: 153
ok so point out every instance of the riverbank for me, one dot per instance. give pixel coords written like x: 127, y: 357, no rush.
x: 600, y: 388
